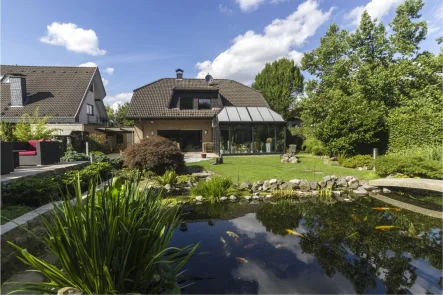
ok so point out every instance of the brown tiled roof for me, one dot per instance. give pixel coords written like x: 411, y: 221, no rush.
x: 56, y: 91
x: 152, y: 100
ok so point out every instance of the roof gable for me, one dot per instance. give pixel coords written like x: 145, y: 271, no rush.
x: 153, y: 100
x: 57, y: 91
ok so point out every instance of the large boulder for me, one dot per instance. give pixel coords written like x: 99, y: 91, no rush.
x: 304, y: 185
x: 353, y: 183
x: 327, y: 178
x: 313, y: 184
x: 272, y: 181
x: 322, y: 183
x: 330, y: 184
x: 341, y: 182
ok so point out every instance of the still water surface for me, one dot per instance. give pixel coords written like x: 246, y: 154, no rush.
x: 312, y: 247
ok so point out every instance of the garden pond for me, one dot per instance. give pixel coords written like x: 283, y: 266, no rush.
x: 290, y: 247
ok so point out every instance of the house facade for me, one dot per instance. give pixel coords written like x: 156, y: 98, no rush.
x: 207, y: 115
x: 71, y: 96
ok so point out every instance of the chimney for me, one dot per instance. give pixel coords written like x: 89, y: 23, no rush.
x: 17, y: 85
x: 179, y: 73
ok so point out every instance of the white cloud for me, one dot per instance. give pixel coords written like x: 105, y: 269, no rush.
x: 110, y: 71
x: 249, y: 52
x: 296, y: 56
x: 249, y: 5
x: 226, y: 10
x: 88, y: 64
x: 115, y: 100
x: 73, y: 38
x: 105, y: 82
x: 375, y: 8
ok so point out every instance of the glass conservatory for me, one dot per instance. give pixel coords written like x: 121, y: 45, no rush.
x: 249, y: 130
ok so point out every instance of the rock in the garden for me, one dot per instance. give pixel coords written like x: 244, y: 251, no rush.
x: 284, y: 185
x: 274, y: 186
x: 167, y: 187
x: 248, y: 198
x: 369, y: 187
x: 353, y: 183
x: 256, y: 193
x: 246, y: 185
x: 386, y: 191
x: 223, y: 199
x: 199, y: 198
x: 280, y: 181
x: 376, y: 191
x: 254, y: 188
x: 265, y: 187
x: 336, y: 193
x: 259, y: 182
x: 268, y: 196
x: 272, y: 181
x: 304, y: 185
x: 266, y: 182
x: 294, y: 160
x: 296, y: 181
x: 341, y: 182
x: 260, y: 188
x: 255, y: 197
x: 232, y: 198
x: 348, y: 178
x: 327, y: 178
x: 362, y: 168
x: 333, y: 177
x: 322, y: 183
x: 199, y: 203
x: 330, y: 184
x: 360, y: 192
x: 313, y: 184
x: 333, y: 158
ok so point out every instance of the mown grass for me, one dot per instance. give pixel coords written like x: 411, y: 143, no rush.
x: 11, y: 212
x: 254, y: 168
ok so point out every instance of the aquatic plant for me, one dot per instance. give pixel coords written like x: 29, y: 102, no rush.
x: 214, y: 188
x: 287, y: 192
x: 325, y: 193
x: 117, y: 242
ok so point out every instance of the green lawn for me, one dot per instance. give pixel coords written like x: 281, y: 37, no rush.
x: 255, y: 168
x: 10, y: 212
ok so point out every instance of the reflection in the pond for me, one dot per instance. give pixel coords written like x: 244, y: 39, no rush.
x: 288, y: 247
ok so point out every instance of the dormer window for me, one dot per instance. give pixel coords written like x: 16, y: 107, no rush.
x: 186, y: 103
x: 204, y: 104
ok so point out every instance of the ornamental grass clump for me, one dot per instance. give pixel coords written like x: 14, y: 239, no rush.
x: 214, y: 188
x: 115, y: 242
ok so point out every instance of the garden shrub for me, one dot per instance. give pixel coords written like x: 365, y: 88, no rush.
x: 410, y: 166
x: 213, y: 188
x: 33, y: 191
x: 87, y: 174
x: 184, y: 179
x: 169, y: 177
x: 73, y: 156
x: 156, y: 153
x: 7, y: 131
x: 314, y: 146
x: 359, y: 161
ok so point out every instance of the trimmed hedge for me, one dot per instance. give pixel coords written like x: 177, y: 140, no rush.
x: 359, y: 161
x: 410, y: 166
x: 156, y: 154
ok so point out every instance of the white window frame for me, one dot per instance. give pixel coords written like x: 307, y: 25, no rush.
x: 89, y: 109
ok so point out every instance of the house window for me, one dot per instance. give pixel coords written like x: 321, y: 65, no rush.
x: 204, y: 104
x: 91, y: 87
x: 186, y: 103
x: 119, y: 138
x: 90, y: 109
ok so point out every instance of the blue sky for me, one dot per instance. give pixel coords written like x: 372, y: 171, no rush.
x: 135, y: 42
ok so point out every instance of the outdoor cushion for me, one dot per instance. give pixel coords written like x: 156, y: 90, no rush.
x: 32, y: 145
x: 27, y: 153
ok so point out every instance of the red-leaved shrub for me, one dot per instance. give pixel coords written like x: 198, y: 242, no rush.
x: 156, y: 154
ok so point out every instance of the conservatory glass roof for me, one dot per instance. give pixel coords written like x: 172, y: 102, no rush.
x: 248, y: 114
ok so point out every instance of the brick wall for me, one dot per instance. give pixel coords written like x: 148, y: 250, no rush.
x: 145, y: 128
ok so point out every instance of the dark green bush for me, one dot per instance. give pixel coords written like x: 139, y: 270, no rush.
x: 100, y: 169
x: 157, y: 154
x: 314, y: 146
x: 359, y: 161
x: 410, y: 166
x: 32, y: 191
x: 73, y: 156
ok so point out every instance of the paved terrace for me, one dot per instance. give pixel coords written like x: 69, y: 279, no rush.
x: 25, y: 171
x: 414, y: 183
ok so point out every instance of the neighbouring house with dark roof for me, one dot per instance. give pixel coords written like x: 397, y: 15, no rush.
x: 71, y: 96
x: 208, y: 115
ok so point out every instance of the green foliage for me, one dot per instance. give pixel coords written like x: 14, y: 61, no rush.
x: 287, y: 192
x: 370, y: 89
x: 117, y: 118
x: 213, y: 188
x: 434, y: 153
x: 314, y: 146
x: 325, y: 193
x: 97, y: 142
x: 33, y: 191
x: 169, y: 177
x: 24, y: 130
x: 117, y: 243
x: 87, y: 174
x: 341, y: 157
x: 359, y: 161
x: 7, y: 130
x: 410, y: 166
x: 127, y: 174
x: 279, y: 82
x: 156, y: 153
x: 73, y: 156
